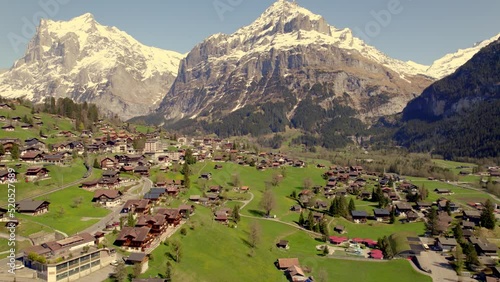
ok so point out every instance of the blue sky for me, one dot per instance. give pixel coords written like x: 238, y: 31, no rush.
x: 420, y: 30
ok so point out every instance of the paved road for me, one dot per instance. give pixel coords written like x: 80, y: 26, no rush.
x: 441, y: 270
x: 145, y: 186
x: 100, y: 275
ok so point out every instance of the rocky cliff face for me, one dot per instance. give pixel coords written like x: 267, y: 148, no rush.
x: 289, y: 49
x: 86, y: 61
x: 476, y: 81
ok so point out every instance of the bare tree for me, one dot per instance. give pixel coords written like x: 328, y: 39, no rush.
x: 254, y: 234
x: 268, y: 202
x: 177, y: 249
x: 276, y: 179
x: 236, y: 180
x: 308, y: 183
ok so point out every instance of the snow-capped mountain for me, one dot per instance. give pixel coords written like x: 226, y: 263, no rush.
x: 290, y: 49
x: 86, y: 61
x: 451, y: 62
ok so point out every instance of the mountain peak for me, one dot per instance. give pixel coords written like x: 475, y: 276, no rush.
x: 286, y: 17
x: 287, y: 10
x: 87, y: 17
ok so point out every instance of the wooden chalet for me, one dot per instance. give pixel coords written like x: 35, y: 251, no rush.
x: 108, y: 198
x: 157, y: 223
x: 36, y: 172
x: 32, y: 157
x: 108, y: 163
x: 173, y: 216
x: 359, y: 216
x: 32, y: 207
x: 134, y: 238
x: 382, y: 215
x: 141, y: 170
x: 137, y: 206
x: 402, y: 208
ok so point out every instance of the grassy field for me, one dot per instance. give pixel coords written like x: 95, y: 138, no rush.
x: 460, y: 195
x: 20, y: 245
x: 213, y: 252
x: 63, y: 217
x: 59, y: 176
x: 50, y: 122
x: 374, y: 230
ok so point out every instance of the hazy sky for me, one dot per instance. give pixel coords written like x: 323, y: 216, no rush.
x: 418, y: 30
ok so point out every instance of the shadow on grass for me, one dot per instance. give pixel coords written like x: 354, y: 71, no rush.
x: 257, y: 213
x: 246, y: 242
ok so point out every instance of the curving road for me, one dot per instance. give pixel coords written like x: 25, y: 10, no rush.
x: 146, y: 185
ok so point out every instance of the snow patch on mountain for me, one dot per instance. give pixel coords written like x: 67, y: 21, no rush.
x: 86, y: 61
x: 451, y: 62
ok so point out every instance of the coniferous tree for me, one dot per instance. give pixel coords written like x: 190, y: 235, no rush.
x: 310, y: 221
x: 352, y: 206
x: 342, y: 206
x: 301, y: 218
x: 458, y: 234
x: 392, y: 216
x: 432, y: 221
x: 14, y: 151
x: 487, y: 218
x: 236, y: 214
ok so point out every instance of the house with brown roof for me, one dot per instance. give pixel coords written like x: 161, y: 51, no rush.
x: 472, y: 216
x: 8, y: 177
x: 137, y: 206
x: 108, y: 163
x: 172, y: 191
x: 158, y: 223
x: 215, y: 189
x: 108, y: 198
x: 138, y: 259
x: 134, y: 238
x: 296, y: 274
x: 285, y: 263
x: 283, y: 244
x: 36, y: 173
x: 32, y: 207
x: 186, y: 210
x: 141, y: 170
x: 173, y: 216
x: 57, y: 159
x: 221, y: 217
x: 402, y: 208
x: 32, y: 157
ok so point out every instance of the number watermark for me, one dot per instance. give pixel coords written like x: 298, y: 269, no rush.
x: 11, y: 226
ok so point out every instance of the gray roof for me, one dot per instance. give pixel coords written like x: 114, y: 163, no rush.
x: 29, y: 205
x: 447, y: 241
x: 136, y: 257
x: 381, y: 212
x: 359, y: 214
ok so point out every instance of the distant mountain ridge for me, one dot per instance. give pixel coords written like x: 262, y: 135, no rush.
x: 86, y: 61
x: 459, y: 115
x: 282, y: 56
x: 287, y: 55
